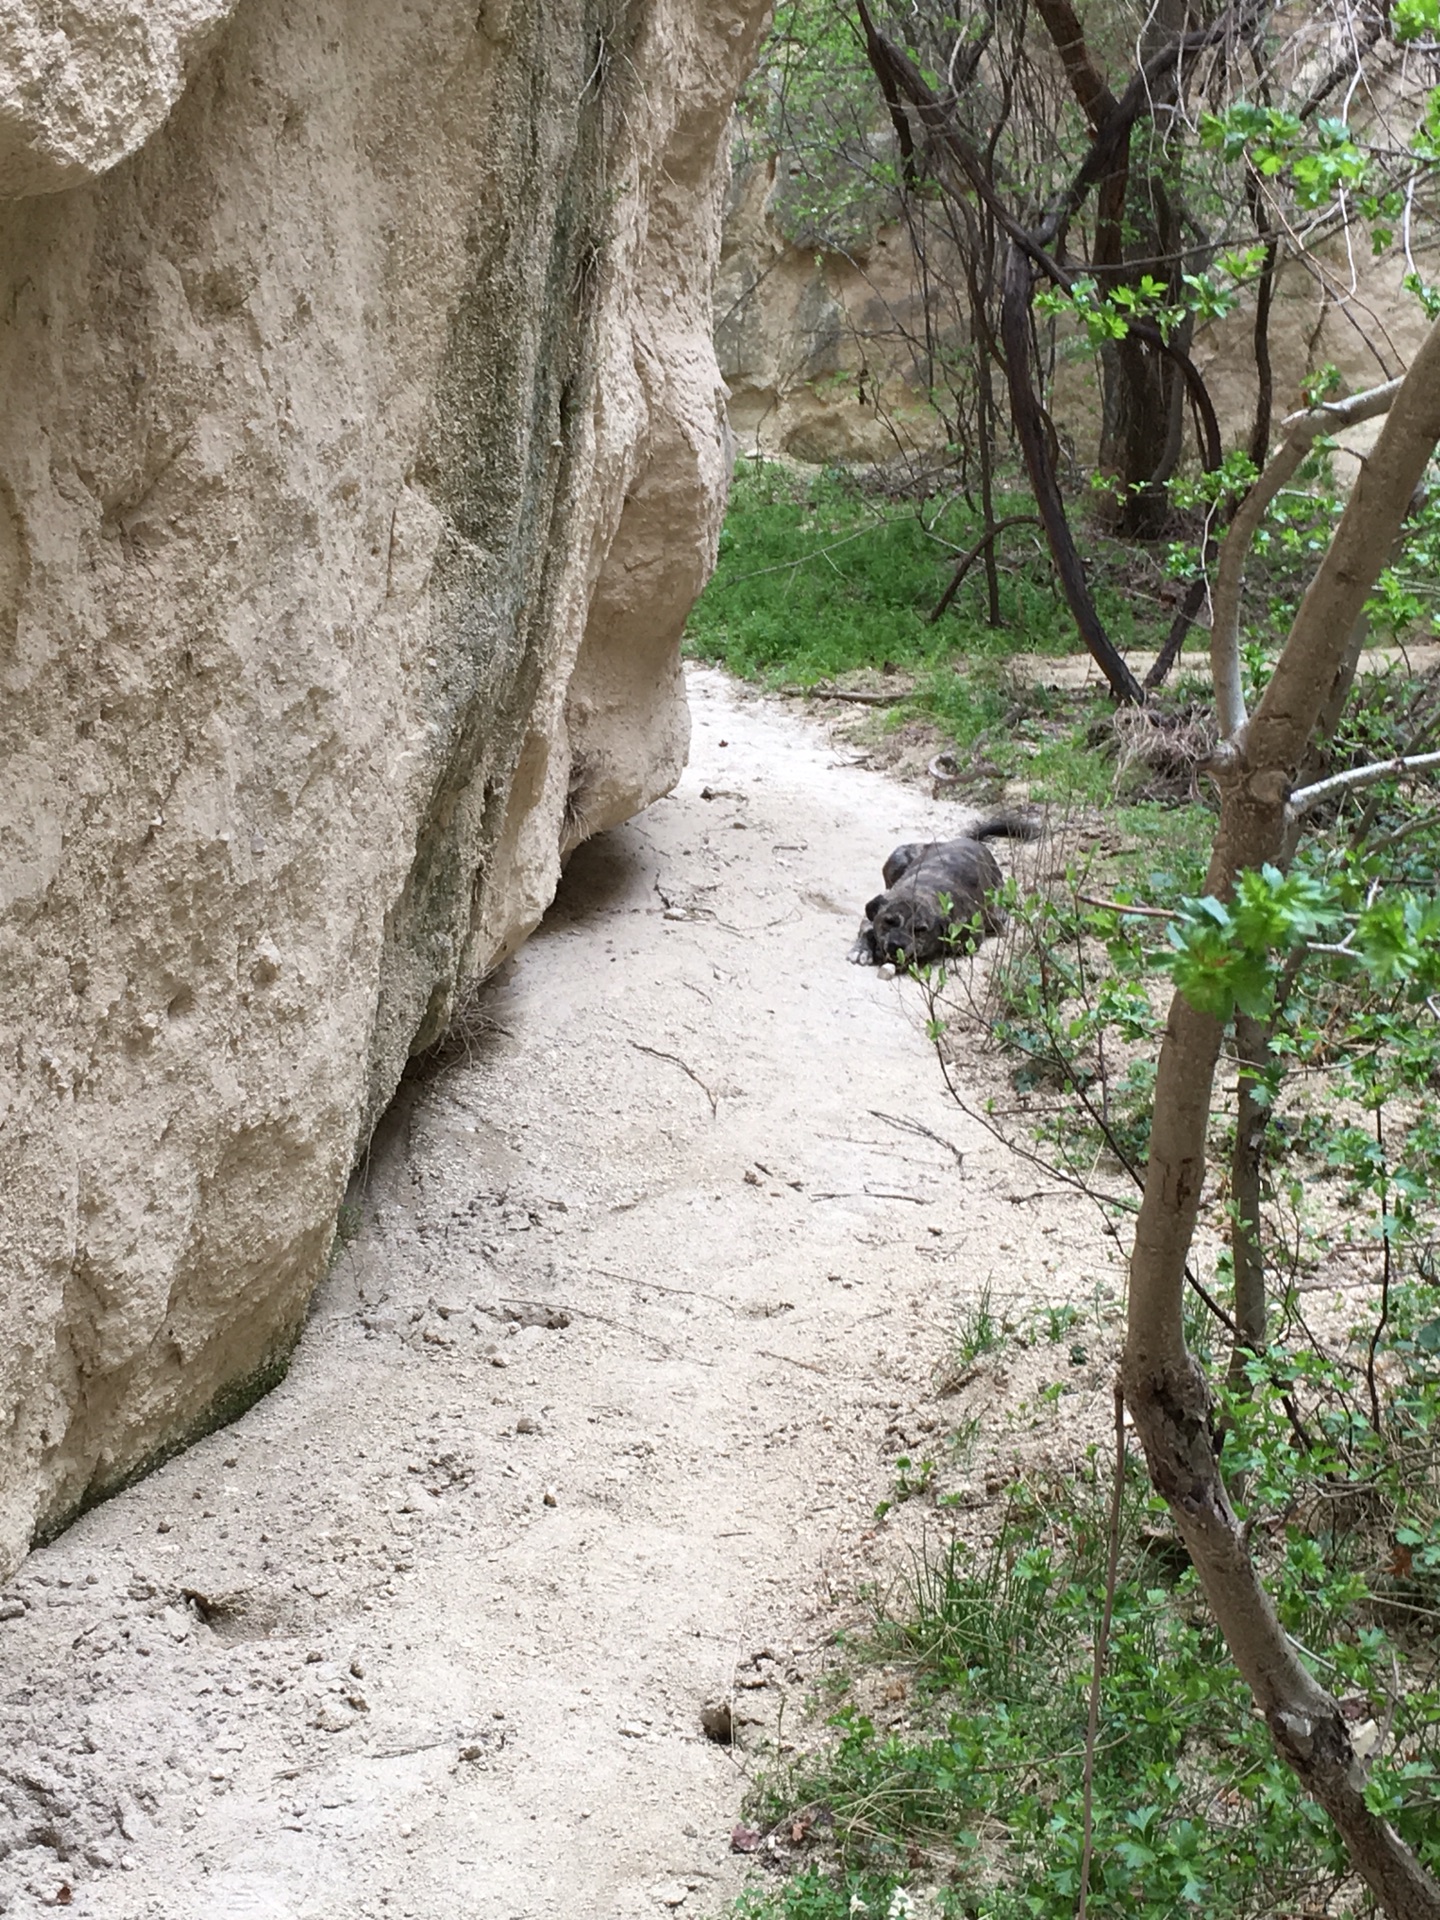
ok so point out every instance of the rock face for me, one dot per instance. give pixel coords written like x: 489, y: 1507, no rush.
x: 363, y: 450
x: 77, y: 99
x: 824, y: 351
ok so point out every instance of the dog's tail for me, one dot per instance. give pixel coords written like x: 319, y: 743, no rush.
x: 1005, y: 826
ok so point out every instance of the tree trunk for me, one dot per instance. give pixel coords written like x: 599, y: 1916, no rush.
x: 1252, y: 1114
x: 1168, y: 1397
x: 1143, y: 410
x: 1030, y: 432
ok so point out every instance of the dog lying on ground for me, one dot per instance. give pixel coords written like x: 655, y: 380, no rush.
x: 938, y: 897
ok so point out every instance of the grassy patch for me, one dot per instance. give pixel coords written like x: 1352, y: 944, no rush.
x: 963, y: 1794
x: 817, y: 581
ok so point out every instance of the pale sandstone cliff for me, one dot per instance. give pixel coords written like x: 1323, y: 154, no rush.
x: 824, y: 351
x: 362, y: 452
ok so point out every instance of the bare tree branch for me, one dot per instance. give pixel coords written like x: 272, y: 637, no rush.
x: 1302, y: 430
x: 1306, y: 797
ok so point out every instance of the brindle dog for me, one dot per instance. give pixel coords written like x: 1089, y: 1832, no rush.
x: 937, y: 899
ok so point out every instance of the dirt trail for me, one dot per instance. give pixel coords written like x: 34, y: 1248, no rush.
x: 1076, y: 671
x: 649, y: 1255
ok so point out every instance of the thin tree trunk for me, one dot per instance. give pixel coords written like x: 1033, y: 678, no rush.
x: 1030, y: 432
x: 1252, y: 1113
x: 982, y: 342
x: 985, y: 412
x: 1264, y: 300
x: 1166, y: 1392
x: 1302, y: 429
x: 1339, y: 692
x: 1195, y: 596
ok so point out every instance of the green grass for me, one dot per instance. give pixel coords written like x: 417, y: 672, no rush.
x: 964, y: 1792
x: 978, y: 1330
x: 976, y: 1792
x: 816, y: 581
x: 971, y: 1797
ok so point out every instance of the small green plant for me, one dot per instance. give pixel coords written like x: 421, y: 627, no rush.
x: 978, y: 1331
x: 912, y: 1477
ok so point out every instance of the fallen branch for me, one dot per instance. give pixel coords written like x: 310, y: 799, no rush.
x: 1127, y: 906
x: 872, y: 1193
x: 766, y: 1353
x: 555, y: 1306
x: 785, y: 566
x: 658, y: 1286
x: 854, y: 699
x: 914, y: 1126
x: 1403, y: 832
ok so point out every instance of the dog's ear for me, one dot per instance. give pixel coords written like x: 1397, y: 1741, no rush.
x: 874, y: 906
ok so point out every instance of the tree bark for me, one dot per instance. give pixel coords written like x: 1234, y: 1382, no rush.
x: 1168, y: 1396
x: 1252, y: 1115
x: 1030, y: 432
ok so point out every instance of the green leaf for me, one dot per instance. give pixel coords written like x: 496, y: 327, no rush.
x: 1414, y: 20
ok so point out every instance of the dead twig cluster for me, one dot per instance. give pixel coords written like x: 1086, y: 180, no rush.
x: 1171, y: 746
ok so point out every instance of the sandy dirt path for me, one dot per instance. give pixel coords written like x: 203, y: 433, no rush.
x: 648, y: 1255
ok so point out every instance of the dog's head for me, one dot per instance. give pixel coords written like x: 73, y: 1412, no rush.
x: 913, y: 928
x: 905, y: 929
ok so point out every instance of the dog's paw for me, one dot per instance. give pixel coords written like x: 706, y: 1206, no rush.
x: 860, y: 954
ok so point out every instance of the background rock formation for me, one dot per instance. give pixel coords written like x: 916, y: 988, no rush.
x: 823, y: 350
x: 363, y: 450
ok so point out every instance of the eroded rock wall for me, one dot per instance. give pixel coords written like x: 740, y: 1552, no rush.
x: 363, y: 450
x: 824, y: 352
